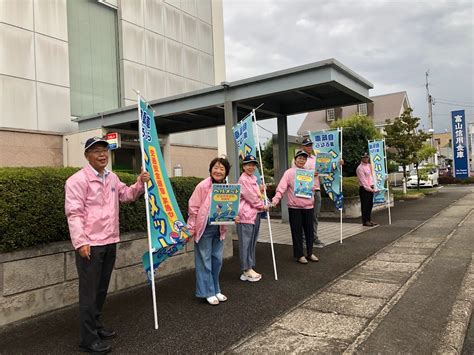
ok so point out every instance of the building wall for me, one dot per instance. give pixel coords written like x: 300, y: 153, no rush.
x: 34, y: 67
x: 54, y: 282
x: 194, y: 161
x: 73, y: 147
x: 23, y: 148
x: 167, y: 47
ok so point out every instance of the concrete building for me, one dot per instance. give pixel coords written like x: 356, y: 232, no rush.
x: 60, y: 60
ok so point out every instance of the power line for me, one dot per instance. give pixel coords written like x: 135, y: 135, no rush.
x: 455, y: 101
x: 452, y: 104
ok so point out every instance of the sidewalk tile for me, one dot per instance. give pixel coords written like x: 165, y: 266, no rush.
x: 348, y: 305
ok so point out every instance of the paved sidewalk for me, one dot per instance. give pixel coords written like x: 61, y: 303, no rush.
x: 328, y: 232
x: 397, y: 301
x: 365, y: 273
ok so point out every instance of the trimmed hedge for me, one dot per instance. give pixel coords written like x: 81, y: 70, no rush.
x: 32, y: 205
x: 446, y: 180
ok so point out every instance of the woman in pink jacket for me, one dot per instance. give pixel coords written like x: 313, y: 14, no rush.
x: 208, y: 239
x: 251, y: 203
x: 300, y: 211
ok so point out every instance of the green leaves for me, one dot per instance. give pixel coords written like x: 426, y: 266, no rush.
x: 357, y: 130
x: 32, y: 205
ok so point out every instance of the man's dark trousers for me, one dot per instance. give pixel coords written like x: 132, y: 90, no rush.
x: 94, y: 279
x: 366, y: 204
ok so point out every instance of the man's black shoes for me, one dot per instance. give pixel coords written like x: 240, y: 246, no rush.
x: 106, y: 333
x: 98, y: 347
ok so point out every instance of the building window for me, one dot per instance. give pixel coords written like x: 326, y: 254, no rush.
x: 93, y: 57
x: 362, y: 109
x: 330, y: 114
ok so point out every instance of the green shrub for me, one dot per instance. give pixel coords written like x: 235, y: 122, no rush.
x: 446, y: 180
x: 183, y: 188
x: 32, y: 205
x: 350, y: 187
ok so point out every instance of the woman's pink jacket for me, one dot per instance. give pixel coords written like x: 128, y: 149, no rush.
x: 198, y: 210
x: 286, y: 184
x: 250, y: 200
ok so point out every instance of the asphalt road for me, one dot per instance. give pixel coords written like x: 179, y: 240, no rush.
x: 188, y: 324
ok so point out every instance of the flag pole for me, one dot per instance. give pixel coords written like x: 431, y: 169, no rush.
x: 388, y: 184
x: 265, y: 193
x: 340, y: 186
x: 150, y: 248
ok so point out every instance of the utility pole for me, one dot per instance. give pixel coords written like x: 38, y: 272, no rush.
x: 430, y: 117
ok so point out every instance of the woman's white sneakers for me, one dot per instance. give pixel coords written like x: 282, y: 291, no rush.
x: 215, y: 300
x: 221, y: 297
x: 303, y: 260
x: 250, y: 275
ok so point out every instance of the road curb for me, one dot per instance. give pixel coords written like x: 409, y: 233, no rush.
x: 452, y: 339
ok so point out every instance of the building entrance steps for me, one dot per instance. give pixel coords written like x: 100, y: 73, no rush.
x: 413, y: 296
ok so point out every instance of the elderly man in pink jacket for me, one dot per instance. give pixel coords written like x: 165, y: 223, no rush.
x: 92, y: 209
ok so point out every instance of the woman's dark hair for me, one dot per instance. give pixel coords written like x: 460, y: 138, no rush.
x: 223, y: 161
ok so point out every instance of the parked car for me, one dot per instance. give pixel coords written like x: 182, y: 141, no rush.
x: 431, y: 180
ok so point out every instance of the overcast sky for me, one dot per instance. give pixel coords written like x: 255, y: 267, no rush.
x: 390, y: 43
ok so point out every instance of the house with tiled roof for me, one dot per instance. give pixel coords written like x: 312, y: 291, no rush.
x: 381, y: 108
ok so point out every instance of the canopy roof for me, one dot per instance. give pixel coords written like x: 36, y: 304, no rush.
x: 305, y: 88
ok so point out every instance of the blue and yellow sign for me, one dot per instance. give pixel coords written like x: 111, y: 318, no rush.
x: 379, y: 169
x: 168, y: 230
x: 327, y: 142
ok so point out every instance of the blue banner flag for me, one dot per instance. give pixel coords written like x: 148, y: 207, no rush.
x: 460, y: 151
x: 245, y: 140
x: 328, y: 142
x: 168, y: 230
x: 379, y: 170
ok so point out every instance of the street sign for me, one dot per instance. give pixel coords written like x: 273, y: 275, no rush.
x: 460, y: 146
x: 113, y: 139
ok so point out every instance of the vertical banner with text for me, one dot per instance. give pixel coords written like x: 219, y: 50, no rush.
x: 245, y: 140
x: 167, y: 227
x: 377, y: 160
x: 328, y: 142
x: 460, y: 145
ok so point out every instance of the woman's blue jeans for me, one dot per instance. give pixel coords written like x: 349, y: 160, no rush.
x: 208, y: 262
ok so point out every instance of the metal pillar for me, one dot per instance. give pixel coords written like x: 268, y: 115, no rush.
x: 230, y: 112
x: 282, y: 166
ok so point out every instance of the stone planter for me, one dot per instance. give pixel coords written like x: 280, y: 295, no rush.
x: 44, y: 278
x: 351, y: 208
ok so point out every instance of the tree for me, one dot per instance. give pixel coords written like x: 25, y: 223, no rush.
x: 356, y: 131
x: 405, y: 140
x: 424, y: 153
x: 267, y: 159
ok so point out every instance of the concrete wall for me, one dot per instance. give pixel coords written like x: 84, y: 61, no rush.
x: 34, y: 66
x: 73, y: 147
x: 44, y: 279
x: 24, y: 148
x: 193, y: 160
x: 167, y: 47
